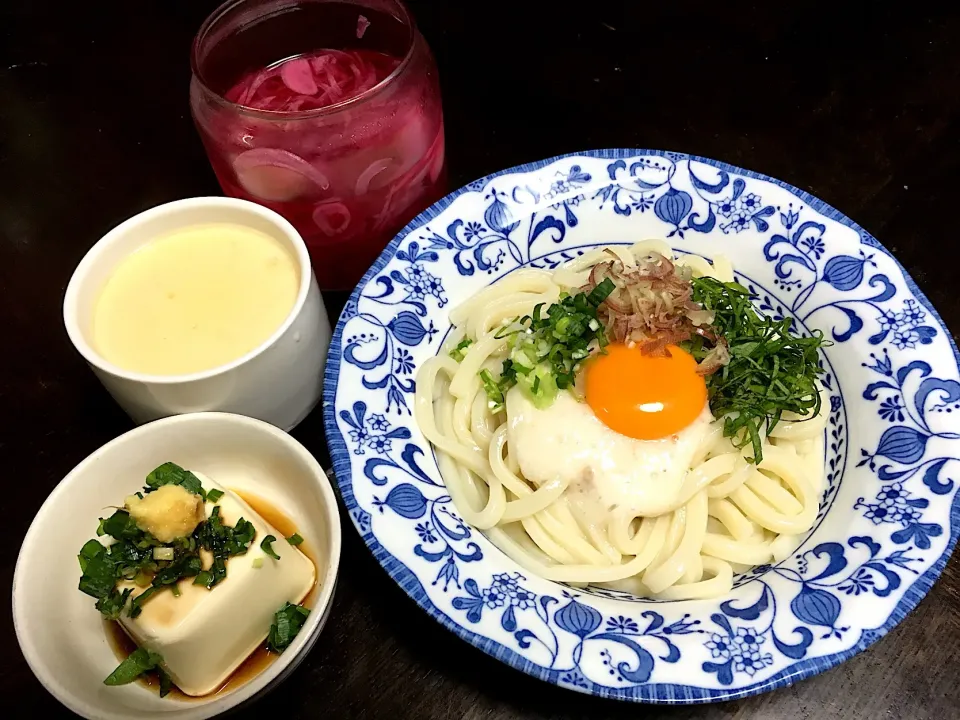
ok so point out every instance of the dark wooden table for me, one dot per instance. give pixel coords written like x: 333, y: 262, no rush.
x: 856, y: 103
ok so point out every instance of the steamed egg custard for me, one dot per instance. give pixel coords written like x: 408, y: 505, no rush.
x: 194, y: 299
x: 197, y: 579
x: 628, y: 419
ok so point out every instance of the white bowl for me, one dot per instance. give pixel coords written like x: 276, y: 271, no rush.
x: 279, y: 382
x: 61, y: 634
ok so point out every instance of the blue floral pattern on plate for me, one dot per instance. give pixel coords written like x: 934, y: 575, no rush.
x: 890, y: 513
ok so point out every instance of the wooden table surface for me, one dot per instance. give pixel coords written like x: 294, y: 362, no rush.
x: 856, y: 103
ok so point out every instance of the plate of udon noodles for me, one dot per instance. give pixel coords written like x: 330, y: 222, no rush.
x: 648, y: 426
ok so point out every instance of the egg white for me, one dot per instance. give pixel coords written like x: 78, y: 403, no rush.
x: 607, y: 471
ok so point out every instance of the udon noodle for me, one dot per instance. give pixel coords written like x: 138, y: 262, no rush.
x: 726, y: 516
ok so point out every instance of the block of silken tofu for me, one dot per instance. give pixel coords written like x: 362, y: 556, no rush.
x: 204, y: 635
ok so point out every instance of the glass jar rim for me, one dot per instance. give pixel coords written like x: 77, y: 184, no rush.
x: 217, y: 15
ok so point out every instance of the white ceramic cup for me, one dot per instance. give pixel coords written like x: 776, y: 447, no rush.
x: 59, y: 630
x: 278, y: 382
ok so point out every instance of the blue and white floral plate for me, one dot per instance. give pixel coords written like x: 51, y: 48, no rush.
x: 889, y: 516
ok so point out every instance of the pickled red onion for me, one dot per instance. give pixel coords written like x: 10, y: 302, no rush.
x: 251, y: 87
x: 367, y: 176
x: 332, y: 217
x: 277, y: 175
x: 298, y: 76
x: 313, y: 81
x: 362, y: 25
x: 409, y: 186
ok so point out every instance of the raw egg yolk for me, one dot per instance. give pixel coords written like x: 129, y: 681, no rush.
x: 644, y: 396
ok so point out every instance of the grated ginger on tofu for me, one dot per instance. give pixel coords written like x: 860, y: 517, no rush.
x: 168, y: 513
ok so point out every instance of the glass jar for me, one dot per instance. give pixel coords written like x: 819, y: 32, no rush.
x: 327, y: 112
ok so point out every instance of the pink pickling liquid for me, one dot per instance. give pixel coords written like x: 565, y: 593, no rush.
x: 347, y: 179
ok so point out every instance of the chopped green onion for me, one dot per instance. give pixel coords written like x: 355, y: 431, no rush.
x: 172, y: 474
x: 267, y: 547
x: 137, y: 663
x: 136, y: 607
x: 163, y: 553
x: 286, y: 624
x: 547, y: 348
x: 91, y: 549
x: 295, y: 539
x: 165, y: 683
x: 224, y: 542
x: 460, y: 351
x: 99, y: 577
x: 510, y: 328
x: 112, y: 605
x: 214, y: 495
x: 257, y: 563
x: 601, y: 292
x: 541, y: 385
x: 120, y: 526
x: 493, y: 390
